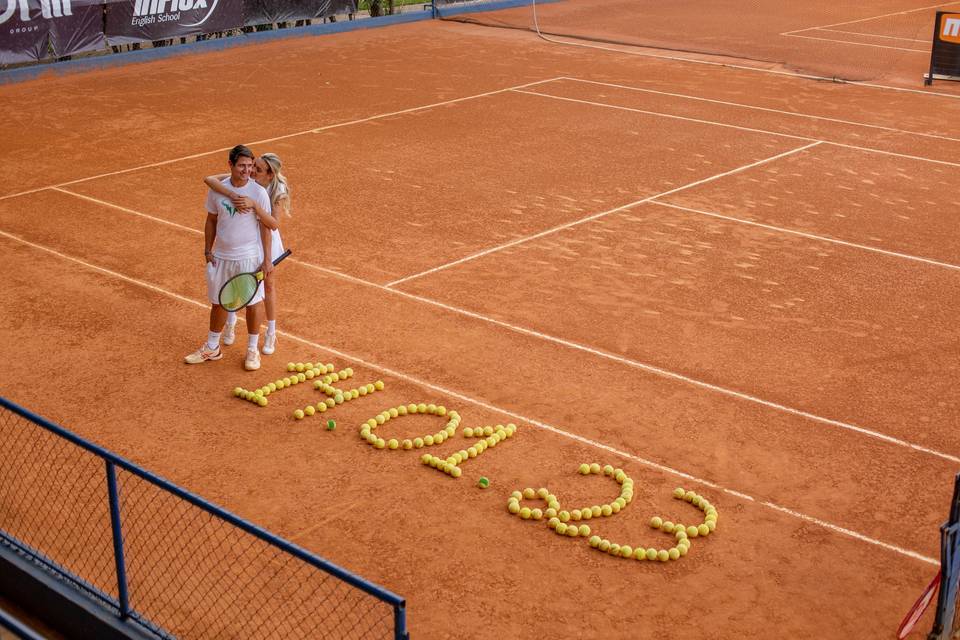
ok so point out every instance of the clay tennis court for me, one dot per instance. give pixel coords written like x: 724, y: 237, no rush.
x: 737, y: 282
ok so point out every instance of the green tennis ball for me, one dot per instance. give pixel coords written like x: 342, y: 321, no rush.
x: 483, y: 482
x: 331, y: 425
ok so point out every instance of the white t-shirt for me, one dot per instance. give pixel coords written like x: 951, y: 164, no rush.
x: 238, y: 234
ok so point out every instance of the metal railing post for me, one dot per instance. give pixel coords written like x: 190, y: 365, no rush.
x: 400, y: 622
x: 117, y: 540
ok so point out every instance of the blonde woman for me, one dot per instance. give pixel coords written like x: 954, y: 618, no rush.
x: 268, y: 173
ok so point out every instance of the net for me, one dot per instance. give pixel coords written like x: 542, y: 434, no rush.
x: 845, y: 40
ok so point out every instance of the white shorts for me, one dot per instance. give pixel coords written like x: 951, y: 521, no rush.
x: 218, y: 275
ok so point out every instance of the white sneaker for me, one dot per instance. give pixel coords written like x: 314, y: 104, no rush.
x: 229, y: 334
x: 203, y: 354
x: 269, y: 344
x: 252, y: 363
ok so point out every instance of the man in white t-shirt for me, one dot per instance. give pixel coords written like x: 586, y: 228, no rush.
x: 234, y: 242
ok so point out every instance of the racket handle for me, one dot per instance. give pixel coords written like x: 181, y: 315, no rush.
x: 281, y: 257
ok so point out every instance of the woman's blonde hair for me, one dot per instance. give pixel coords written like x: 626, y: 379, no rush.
x: 278, y: 187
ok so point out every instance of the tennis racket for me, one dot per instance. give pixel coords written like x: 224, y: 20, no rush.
x: 238, y: 291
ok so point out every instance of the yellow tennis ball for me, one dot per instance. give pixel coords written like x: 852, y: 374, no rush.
x: 380, y: 443
x: 309, y: 410
x: 692, y: 531
x: 525, y: 513
x: 536, y: 514
x: 682, y: 549
x: 407, y: 444
x: 667, y: 527
x: 594, y: 541
x: 573, y: 531
x: 689, y: 496
x: 651, y: 554
x: 703, y: 530
x: 640, y: 553
x: 338, y: 399
x: 564, y: 516
x: 584, y: 530
x: 393, y: 443
x: 441, y: 410
x: 595, y: 468
x: 418, y: 442
x: 604, y: 545
x: 586, y: 514
x: 513, y: 507
x: 330, y: 402
x: 237, y: 391
x: 412, y: 408
x: 421, y: 408
x: 584, y: 469
x: 626, y: 551
x: 298, y: 414
x: 561, y: 528
x: 614, y: 507
x: 711, y: 525
x: 614, y: 549
x: 680, y: 533
x: 663, y: 555
x: 575, y: 514
x: 378, y: 385
x: 262, y: 401
x: 606, y: 510
x: 529, y: 493
x: 456, y: 472
x: 674, y: 553
x: 428, y: 440
x: 607, y: 470
x: 595, y: 511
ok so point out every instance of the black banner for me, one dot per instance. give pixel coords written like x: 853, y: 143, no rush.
x: 268, y: 11
x: 36, y: 29
x: 138, y: 20
x: 945, y: 56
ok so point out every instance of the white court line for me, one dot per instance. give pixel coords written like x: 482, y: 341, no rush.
x: 518, y: 417
x: 875, y: 35
x: 733, y: 126
x: 580, y: 347
x: 856, y: 44
x: 765, y: 109
x: 567, y: 225
x: 885, y: 15
x: 813, y: 236
x: 283, y: 137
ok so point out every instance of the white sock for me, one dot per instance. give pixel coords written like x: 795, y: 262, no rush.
x: 231, y: 318
x: 271, y: 326
x: 213, y: 340
x: 253, y: 339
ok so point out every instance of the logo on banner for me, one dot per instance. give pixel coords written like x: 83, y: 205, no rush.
x: 49, y: 9
x: 950, y: 28
x: 155, y: 11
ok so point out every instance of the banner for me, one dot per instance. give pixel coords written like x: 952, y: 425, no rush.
x: 32, y: 30
x: 269, y: 11
x: 137, y: 20
x: 945, y: 55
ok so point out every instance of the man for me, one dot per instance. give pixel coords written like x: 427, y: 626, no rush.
x: 234, y: 242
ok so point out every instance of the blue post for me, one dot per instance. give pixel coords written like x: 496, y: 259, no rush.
x: 433, y: 9
x: 117, y: 540
x: 400, y: 622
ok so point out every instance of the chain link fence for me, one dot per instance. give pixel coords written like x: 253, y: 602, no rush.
x: 173, y: 563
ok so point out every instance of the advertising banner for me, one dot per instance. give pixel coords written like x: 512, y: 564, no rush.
x: 32, y: 30
x: 945, y: 55
x: 130, y: 21
x: 269, y: 11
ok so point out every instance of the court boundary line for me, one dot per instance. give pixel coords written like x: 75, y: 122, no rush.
x: 592, y: 217
x: 873, y: 35
x: 813, y: 236
x: 857, y: 44
x: 658, y: 371
x: 741, y: 128
x: 885, y: 15
x: 490, y: 407
x: 280, y: 137
x: 758, y: 108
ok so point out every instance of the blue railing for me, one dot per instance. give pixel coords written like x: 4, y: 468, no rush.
x: 163, y: 558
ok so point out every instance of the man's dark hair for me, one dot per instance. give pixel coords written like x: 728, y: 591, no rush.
x: 238, y: 152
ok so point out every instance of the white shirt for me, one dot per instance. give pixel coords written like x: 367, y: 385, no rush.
x: 238, y: 234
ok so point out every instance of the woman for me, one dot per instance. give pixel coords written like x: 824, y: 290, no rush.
x: 267, y: 171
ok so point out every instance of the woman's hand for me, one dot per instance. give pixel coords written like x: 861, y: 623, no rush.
x: 242, y: 203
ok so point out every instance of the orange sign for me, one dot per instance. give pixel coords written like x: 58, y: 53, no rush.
x: 950, y: 28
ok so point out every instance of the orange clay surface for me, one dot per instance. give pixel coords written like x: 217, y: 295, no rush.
x: 746, y: 288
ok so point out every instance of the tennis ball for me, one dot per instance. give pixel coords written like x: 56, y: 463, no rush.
x: 291, y: 366
x: 689, y: 496
x: 237, y: 391
x: 667, y: 527
x: 428, y: 440
x: 456, y: 472
x: 564, y: 516
x: 529, y: 493
x: 703, y: 530
x: 393, y: 443
x: 560, y: 528
x: 542, y: 493
x: 607, y: 470
x: 682, y: 549
x: 594, y: 541
x: 468, y: 432
x: 604, y: 545
x: 595, y: 511
x: 626, y: 551
x: 575, y: 514
x: 640, y: 553
x: 441, y: 410
x: 418, y: 442
x: 525, y: 513
x: 584, y: 469
x: 380, y: 443
x: 407, y: 444
x: 536, y: 514
x: 614, y: 549
x: 674, y: 553
x: 272, y: 386
x: 309, y: 410
x: 298, y: 367
x: 651, y: 554
x: 472, y: 452
x: 606, y: 510
x: 421, y: 408
x: 680, y: 534
x: 586, y: 514
x: 262, y: 401
x: 412, y: 408
x: 663, y: 555
x: 516, y: 495
x: 692, y: 531
x: 298, y: 414
x: 380, y: 419
x: 483, y: 483
x: 513, y: 507
x: 553, y: 523
x: 711, y: 525
x: 615, y: 507
x: 309, y: 374
x: 573, y: 531
x: 338, y: 399
x: 584, y: 530
x: 488, y: 431
x: 331, y: 425
x: 425, y: 458
x: 595, y: 468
